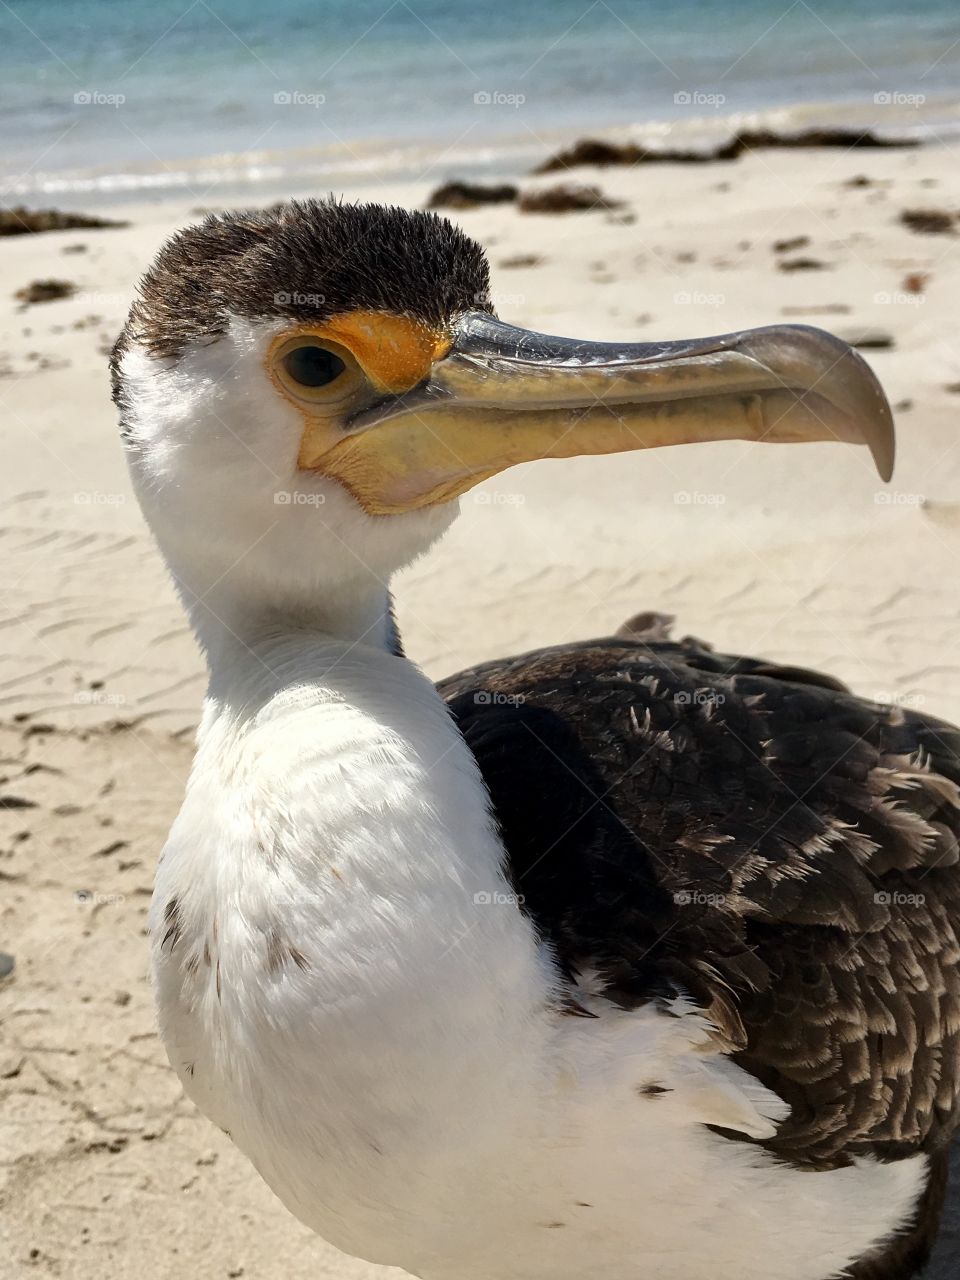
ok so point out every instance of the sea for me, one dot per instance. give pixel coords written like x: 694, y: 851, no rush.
x: 103, y: 101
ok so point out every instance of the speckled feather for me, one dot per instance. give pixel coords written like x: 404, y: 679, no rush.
x: 781, y: 849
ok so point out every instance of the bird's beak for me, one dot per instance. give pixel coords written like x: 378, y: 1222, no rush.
x: 502, y: 395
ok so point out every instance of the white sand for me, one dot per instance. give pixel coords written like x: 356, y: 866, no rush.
x: 794, y: 552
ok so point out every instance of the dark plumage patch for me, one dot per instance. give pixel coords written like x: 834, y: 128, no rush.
x: 785, y: 853
x: 394, y: 641
x: 306, y: 261
x: 281, y: 952
x: 171, y: 920
x: 572, y: 1008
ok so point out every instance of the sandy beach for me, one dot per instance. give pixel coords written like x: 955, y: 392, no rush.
x: 796, y: 553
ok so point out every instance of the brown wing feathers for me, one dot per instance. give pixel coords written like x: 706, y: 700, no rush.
x: 783, y: 851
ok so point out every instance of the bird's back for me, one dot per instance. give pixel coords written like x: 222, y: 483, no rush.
x: 785, y: 853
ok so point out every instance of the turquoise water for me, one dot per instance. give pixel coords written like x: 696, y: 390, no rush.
x: 109, y: 95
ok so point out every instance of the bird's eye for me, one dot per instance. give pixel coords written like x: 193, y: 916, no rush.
x: 318, y: 375
x: 311, y: 366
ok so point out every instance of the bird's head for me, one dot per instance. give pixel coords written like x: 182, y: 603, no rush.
x: 306, y: 391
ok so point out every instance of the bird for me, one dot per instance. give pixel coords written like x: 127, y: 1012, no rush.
x: 620, y: 958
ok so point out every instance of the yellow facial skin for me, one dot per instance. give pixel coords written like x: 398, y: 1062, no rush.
x: 397, y: 352
x: 385, y: 352
x: 483, y: 412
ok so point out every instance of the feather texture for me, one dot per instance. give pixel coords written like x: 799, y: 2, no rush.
x: 786, y: 853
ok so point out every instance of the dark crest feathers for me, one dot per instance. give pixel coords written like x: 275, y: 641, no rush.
x: 306, y: 260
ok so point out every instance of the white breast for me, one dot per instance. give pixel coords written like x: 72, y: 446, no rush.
x: 346, y: 985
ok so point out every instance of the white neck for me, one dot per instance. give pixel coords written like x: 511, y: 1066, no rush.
x: 241, y: 603
x: 227, y: 622
x: 336, y: 820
